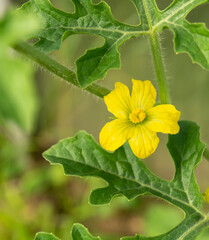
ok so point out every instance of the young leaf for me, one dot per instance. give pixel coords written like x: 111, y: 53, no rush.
x: 127, y: 175
x: 97, y: 19
x: 18, y: 99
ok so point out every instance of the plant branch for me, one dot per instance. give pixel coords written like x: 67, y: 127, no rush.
x: 159, y: 68
x: 59, y: 70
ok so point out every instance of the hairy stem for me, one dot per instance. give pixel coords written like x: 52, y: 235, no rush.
x: 56, y: 68
x: 161, y: 76
x: 159, y: 68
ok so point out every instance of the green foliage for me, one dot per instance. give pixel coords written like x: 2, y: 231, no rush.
x: 127, y: 175
x: 97, y: 19
x: 45, y: 236
x: 157, y: 216
x: 186, y: 151
x: 18, y: 99
x: 192, y: 38
x: 88, y: 18
x: 78, y: 232
x: 81, y: 156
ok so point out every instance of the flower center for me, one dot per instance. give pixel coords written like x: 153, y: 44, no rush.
x: 137, y: 115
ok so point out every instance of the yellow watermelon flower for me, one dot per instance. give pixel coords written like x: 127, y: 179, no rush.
x: 137, y: 121
x: 206, y: 195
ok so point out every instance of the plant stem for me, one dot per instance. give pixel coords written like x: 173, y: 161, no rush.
x: 56, y: 68
x: 161, y: 76
x: 159, y: 68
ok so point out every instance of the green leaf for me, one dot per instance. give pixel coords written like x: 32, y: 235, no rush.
x: 191, y: 38
x: 186, y: 150
x: 97, y: 19
x: 45, y: 236
x: 18, y: 98
x: 79, y: 232
x: 88, y: 18
x: 127, y: 175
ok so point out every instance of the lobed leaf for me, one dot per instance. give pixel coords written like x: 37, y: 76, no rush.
x: 79, y: 232
x: 97, y: 19
x: 191, y: 38
x: 127, y: 175
x: 88, y: 18
x: 186, y: 150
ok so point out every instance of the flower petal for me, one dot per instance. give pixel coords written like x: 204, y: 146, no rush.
x: 143, y: 94
x: 115, y: 133
x: 163, y: 118
x: 144, y: 142
x: 118, y: 101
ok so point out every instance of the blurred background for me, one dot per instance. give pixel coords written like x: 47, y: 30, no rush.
x: 35, y: 196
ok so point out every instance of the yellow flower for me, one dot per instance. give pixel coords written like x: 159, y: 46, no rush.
x: 206, y: 195
x: 136, y: 119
